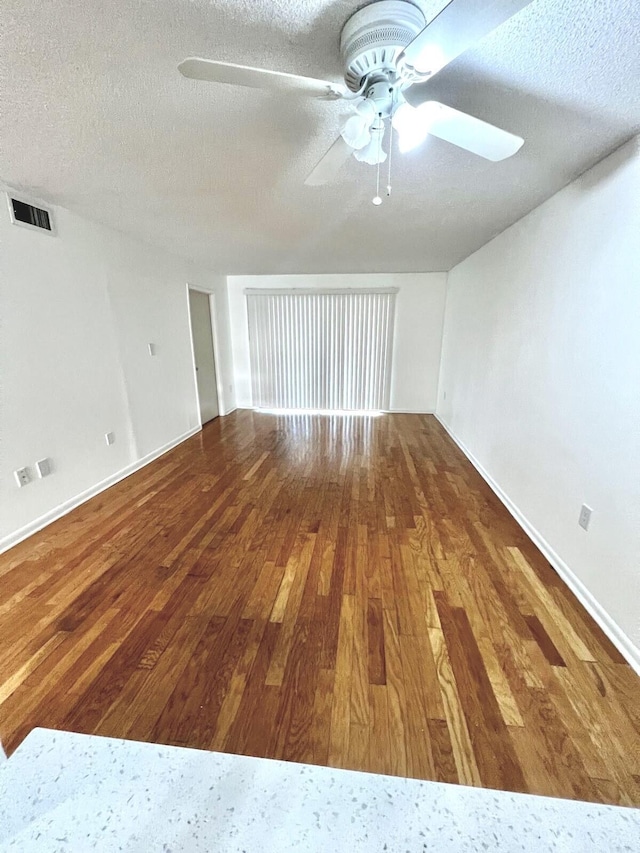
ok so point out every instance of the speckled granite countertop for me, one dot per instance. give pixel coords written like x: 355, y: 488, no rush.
x: 68, y: 792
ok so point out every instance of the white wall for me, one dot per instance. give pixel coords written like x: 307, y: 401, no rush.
x: 78, y: 310
x: 417, y: 335
x: 541, y: 371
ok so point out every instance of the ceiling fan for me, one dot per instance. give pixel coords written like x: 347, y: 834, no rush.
x: 387, y: 47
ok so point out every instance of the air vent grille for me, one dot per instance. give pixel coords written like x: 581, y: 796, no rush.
x: 387, y: 36
x: 27, y: 214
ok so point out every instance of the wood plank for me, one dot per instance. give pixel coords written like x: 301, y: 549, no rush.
x: 341, y: 706
x: 397, y: 711
x: 496, y: 759
x: 544, y: 641
x: 375, y: 627
x: 556, y: 616
x: 463, y: 754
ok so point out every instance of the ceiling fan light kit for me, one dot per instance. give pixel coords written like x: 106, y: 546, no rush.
x: 386, y: 47
x: 411, y: 126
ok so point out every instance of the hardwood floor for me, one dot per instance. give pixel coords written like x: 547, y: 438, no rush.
x: 326, y: 590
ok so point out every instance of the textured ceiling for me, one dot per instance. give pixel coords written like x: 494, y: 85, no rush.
x: 96, y: 118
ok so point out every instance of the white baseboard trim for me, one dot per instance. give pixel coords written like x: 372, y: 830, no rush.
x: 409, y: 412
x: 614, y: 632
x: 63, y: 509
x: 384, y: 411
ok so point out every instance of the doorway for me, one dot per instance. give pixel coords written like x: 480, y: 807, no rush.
x: 203, y: 354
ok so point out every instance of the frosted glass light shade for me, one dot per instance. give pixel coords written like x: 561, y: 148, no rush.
x: 412, y: 126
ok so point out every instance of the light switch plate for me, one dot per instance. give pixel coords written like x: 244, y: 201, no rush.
x: 43, y: 467
x: 585, y: 516
x: 110, y: 437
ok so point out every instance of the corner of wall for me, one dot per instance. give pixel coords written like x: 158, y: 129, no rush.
x: 440, y: 387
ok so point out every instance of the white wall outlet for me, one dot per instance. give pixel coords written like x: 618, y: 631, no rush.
x: 23, y: 477
x: 110, y: 437
x: 152, y: 349
x: 585, y: 516
x: 44, y: 467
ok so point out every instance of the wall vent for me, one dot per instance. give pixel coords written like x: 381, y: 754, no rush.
x: 29, y: 216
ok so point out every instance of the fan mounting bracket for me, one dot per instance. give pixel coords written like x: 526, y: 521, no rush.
x: 373, y: 39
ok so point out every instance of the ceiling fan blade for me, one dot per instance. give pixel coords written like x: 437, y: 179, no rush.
x: 470, y: 133
x: 257, y: 78
x: 458, y: 27
x: 330, y: 164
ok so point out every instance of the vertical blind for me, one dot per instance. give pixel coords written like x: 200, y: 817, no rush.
x: 321, y: 350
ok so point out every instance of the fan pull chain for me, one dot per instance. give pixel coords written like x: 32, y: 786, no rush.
x: 377, y: 200
x: 390, y: 152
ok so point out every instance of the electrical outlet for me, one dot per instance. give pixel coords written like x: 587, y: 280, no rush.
x: 152, y: 349
x: 585, y: 516
x: 43, y: 467
x: 110, y: 437
x: 23, y: 477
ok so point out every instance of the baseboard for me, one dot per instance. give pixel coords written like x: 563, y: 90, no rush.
x: 409, y: 412
x: 384, y: 411
x: 65, y: 508
x: 614, y: 632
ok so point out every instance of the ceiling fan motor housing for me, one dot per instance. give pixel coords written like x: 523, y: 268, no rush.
x: 374, y: 37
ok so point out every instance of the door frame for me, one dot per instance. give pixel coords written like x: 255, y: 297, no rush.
x: 216, y: 349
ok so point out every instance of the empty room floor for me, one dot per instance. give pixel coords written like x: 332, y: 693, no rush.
x: 330, y: 590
